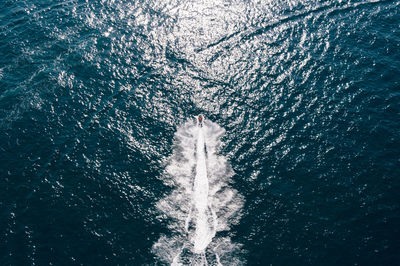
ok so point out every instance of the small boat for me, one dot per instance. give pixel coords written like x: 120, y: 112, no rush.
x: 200, y: 120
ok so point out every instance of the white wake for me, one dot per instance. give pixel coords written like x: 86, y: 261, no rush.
x: 201, y: 203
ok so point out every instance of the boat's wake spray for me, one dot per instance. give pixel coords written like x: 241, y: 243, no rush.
x: 201, y: 204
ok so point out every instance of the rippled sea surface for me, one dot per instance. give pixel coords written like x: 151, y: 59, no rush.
x: 92, y: 94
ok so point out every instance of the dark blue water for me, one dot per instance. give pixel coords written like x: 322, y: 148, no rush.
x: 93, y: 92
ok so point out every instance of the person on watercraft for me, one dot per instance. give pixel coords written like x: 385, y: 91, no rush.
x: 200, y: 120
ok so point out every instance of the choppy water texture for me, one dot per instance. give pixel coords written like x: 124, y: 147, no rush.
x: 94, y: 97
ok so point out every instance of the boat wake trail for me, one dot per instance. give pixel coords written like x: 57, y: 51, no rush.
x: 202, y: 205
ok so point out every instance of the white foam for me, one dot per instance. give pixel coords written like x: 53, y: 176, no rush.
x: 203, y: 230
x: 201, y: 203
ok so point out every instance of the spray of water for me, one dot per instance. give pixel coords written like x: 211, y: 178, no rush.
x: 202, y: 205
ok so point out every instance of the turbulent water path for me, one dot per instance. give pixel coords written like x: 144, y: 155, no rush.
x: 201, y: 203
x: 203, y: 233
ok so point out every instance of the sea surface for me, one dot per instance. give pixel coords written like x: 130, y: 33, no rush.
x: 297, y: 161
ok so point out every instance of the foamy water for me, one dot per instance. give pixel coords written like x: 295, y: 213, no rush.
x: 202, y: 203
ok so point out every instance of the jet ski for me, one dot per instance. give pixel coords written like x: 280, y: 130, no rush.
x: 200, y: 120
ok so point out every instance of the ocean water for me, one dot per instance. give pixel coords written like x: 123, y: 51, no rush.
x: 297, y: 161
